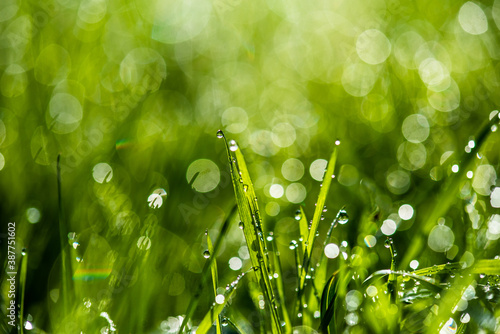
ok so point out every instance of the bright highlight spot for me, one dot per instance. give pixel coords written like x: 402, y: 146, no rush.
x: 370, y: 241
x: 373, y: 47
x: 292, y: 169
x: 235, y: 263
x: 495, y: 198
x: 102, y: 173
x: 414, y: 264
x: 405, y: 211
x: 296, y: 193
x: 219, y: 299
x: 388, y: 227
x: 33, y: 215
x: 203, y: 175
x: 472, y: 19
x: 276, y: 191
x: 332, y: 251
x: 317, y: 169
x: 415, y: 128
x: 441, y: 238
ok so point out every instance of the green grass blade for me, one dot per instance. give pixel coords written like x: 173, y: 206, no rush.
x: 206, y: 272
x: 487, y: 267
x: 318, y: 211
x: 215, y: 311
x: 215, y: 278
x: 446, y: 197
x: 403, y: 275
x: 449, y: 300
x: 304, y: 229
x: 246, y: 201
x: 280, y: 286
x: 446, y: 268
x: 327, y: 302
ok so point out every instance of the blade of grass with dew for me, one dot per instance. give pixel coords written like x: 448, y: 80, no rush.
x: 321, y: 270
x: 445, y: 268
x: 252, y: 226
x: 22, y: 283
x: 207, y: 269
x: 280, y: 286
x: 304, y: 229
x: 318, y: 211
x: 449, y: 301
x: 426, y: 281
x: 215, y: 278
x: 446, y: 197
x: 214, y: 312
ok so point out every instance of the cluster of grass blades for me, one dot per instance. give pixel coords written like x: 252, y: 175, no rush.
x: 353, y: 297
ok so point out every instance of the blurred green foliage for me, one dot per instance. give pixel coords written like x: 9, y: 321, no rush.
x: 131, y: 94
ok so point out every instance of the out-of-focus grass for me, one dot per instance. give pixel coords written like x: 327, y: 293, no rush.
x: 129, y: 95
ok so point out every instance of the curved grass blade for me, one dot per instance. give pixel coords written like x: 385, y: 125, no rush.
x: 233, y: 325
x: 446, y: 196
x: 207, y: 269
x: 427, y: 281
x: 215, y: 278
x: 248, y: 209
x: 327, y: 303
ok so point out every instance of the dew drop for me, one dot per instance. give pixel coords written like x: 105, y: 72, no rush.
x: 342, y: 217
x: 337, y: 142
x: 293, y: 244
x: 241, y: 225
x: 325, y: 209
x: 24, y: 251
x: 206, y: 254
x: 388, y: 243
x: 224, y: 322
x: 220, y: 134
x: 298, y: 215
x: 232, y: 145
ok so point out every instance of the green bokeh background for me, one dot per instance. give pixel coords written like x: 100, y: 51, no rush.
x: 143, y: 86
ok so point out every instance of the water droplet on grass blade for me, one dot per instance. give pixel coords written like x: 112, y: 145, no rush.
x: 241, y: 225
x: 232, y: 145
x: 342, y: 217
x: 298, y: 215
x: 220, y: 134
x: 24, y: 251
x: 388, y: 243
x: 224, y: 322
x: 206, y: 254
x: 293, y: 244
